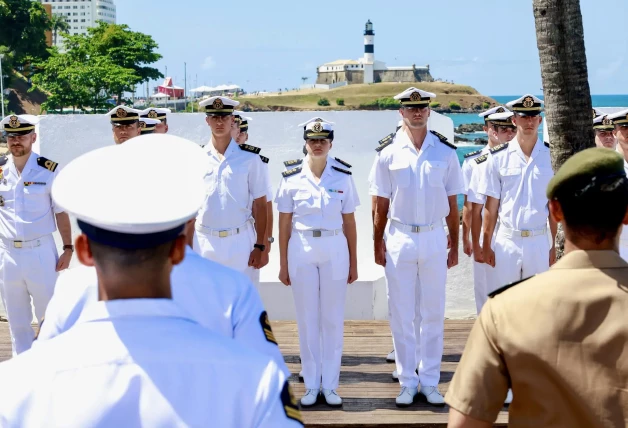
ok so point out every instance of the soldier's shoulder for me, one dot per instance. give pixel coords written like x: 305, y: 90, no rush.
x: 498, y: 149
x: 388, y: 137
x: 264, y: 159
x: 384, y: 145
x: 292, y: 162
x: 3, y: 160
x: 291, y: 172
x: 472, y: 154
x: 444, y: 140
x: 47, y: 164
x: 250, y: 149
x: 344, y: 171
x: 507, y: 287
x: 340, y: 161
x: 481, y: 159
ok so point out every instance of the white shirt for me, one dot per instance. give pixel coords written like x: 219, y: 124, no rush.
x: 476, y: 170
x: 26, y: 207
x: 317, y: 205
x: 215, y: 296
x: 417, y: 183
x: 141, y: 362
x: 232, y: 181
x: 520, y: 185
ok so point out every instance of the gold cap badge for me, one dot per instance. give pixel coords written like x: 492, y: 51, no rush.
x: 500, y: 110
x: 415, y: 96
x: 121, y: 112
x: 317, y: 127
x: 217, y: 104
x: 607, y: 121
x: 142, y: 125
x: 152, y: 114
x: 14, y: 122
x: 528, y: 102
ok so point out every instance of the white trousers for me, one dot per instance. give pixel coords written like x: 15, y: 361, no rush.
x: 416, y: 273
x: 231, y: 251
x: 24, y: 273
x: 318, y: 269
x: 517, y: 258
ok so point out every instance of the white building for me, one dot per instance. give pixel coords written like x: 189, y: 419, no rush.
x: 82, y: 14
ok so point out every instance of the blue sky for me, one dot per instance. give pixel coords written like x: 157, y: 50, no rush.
x: 488, y: 44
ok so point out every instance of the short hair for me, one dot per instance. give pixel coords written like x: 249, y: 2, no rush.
x: 596, y: 212
x: 109, y: 257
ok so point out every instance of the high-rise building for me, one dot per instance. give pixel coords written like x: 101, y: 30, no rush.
x: 82, y: 14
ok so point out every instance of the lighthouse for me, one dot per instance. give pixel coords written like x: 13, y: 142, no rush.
x: 369, y: 52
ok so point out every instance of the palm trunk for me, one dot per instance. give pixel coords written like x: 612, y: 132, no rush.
x: 560, y: 40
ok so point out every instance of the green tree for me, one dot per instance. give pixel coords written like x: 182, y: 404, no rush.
x: 23, y: 26
x: 58, y: 24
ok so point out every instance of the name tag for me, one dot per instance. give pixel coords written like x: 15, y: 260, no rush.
x: 34, y: 183
x: 335, y: 191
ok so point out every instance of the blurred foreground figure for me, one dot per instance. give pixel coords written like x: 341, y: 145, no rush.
x: 134, y: 358
x: 558, y: 339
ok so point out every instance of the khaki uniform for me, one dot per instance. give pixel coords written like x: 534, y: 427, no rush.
x: 560, y: 341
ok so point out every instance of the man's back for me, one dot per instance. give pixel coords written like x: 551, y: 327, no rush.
x: 142, y: 362
x: 562, y: 338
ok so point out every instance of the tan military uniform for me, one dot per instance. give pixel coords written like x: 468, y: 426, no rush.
x: 560, y: 341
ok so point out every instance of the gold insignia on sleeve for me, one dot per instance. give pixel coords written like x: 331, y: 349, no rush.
x: 268, y: 331
x: 317, y: 127
x: 290, y: 404
x: 528, y: 102
x: 152, y: 114
x: 121, y: 112
x: 217, y: 104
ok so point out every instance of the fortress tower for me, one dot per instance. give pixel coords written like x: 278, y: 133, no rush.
x: 369, y: 52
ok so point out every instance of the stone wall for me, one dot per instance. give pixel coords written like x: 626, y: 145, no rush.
x: 415, y: 75
x: 330, y: 77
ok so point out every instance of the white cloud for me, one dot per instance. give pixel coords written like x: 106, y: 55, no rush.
x: 208, y: 63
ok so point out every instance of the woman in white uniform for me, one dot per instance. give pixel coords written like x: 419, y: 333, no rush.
x: 317, y: 246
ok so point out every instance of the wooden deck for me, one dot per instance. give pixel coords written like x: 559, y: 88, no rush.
x: 366, y: 385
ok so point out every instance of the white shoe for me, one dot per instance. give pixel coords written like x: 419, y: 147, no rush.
x: 395, y: 376
x: 332, y: 398
x: 508, y: 397
x: 432, y: 395
x: 406, y: 397
x: 310, y: 397
x: 390, y: 358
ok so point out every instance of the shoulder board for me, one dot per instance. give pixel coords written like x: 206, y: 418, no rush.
x: 383, y: 145
x: 46, y: 163
x: 343, y: 162
x: 251, y: 149
x: 290, y: 404
x: 293, y: 162
x: 264, y: 159
x: 292, y: 171
x: 3, y: 160
x: 386, y: 138
x: 499, y: 148
x: 444, y: 140
x: 481, y: 159
x: 266, y: 328
x: 344, y: 171
x: 546, y: 144
x: 506, y: 287
x: 477, y: 152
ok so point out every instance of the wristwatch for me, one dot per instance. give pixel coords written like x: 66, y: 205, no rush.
x: 260, y: 247
x: 271, y: 239
x: 68, y: 247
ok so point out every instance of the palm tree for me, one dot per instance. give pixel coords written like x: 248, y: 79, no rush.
x: 58, y: 24
x: 560, y: 40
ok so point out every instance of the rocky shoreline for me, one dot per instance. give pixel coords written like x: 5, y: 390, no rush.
x: 467, y: 128
x: 248, y: 107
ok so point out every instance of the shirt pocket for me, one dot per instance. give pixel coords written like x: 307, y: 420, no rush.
x: 436, y: 171
x: 36, y: 199
x: 304, y: 203
x: 334, y: 202
x: 236, y: 183
x: 542, y: 177
x: 510, y: 177
x: 400, y: 173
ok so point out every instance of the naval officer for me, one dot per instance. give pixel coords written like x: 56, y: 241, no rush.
x: 241, y: 136
x: 317, y: 246
x: 160, y: 114
x: 216, y: 296
x: 604, y: 127
x: 125, y: 123
x: 229, y: 228
x: 620, y: 123
x: 514, y: 184
x: 148, y: 126
x: 558, y: 338
x: 28, y: 217
x: 135, y: 358
x: 417, y: 180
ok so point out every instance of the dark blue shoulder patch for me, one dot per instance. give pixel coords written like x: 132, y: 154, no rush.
x: 344, y: 171
x: 546, y: 144
x: 481, y: 159
x: 506, y: 287
x: 383, y: 145
x: 293, y: 162
x: 340, y: 161
x: 444, y: 140
x: 475, y: 153
x: 250, y: 149
x: 386, y: 138
x: 3, y: 160
x: 499, y: 148
x: 264, y: 158
x: 46, y: 163
x: 292, y: 171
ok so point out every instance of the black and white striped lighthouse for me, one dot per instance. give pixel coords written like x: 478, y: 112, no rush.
x: 369, y: 52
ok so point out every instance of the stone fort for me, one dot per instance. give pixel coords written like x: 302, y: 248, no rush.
x: 368, y: 70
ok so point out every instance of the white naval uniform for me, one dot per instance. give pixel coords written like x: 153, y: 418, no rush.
x: 28, y: 269
x: 318, y: 266
x: 225, y: 230
x: 521, y: 242
x: 255, y: 273
x: 215, y: 296
x: 143, y: 362
x: 418, y: 185
x: 623, y: 240
x: 470, y: 169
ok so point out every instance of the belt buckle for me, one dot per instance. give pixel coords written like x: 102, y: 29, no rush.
x: 526, y: 233
x: 17, y: 244
x: 223, y: 233
x: 416, y: 229
x: 317, y: 233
